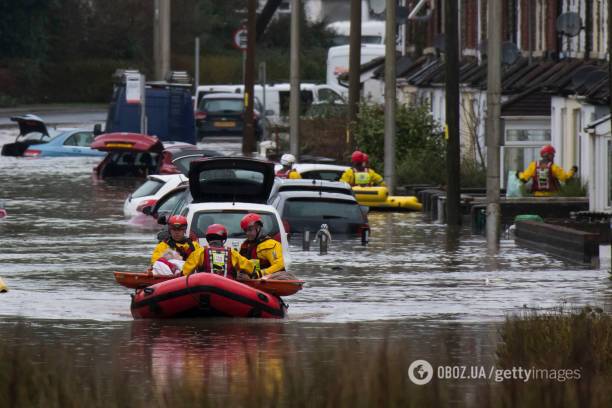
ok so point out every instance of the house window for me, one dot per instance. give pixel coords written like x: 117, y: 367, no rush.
x: 522, y: 146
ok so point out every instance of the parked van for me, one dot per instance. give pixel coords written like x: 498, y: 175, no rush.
x: 168, y: 107
x: 275, y: 102
x: 338, y: 61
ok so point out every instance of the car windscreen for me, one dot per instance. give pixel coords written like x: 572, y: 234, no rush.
x: 231, y: 220
x: 329, y: 175
x: 148, y: 188
x: 318, y: 208
x: 169, y: 202
x: 226, y: 181
x: 222, y: 105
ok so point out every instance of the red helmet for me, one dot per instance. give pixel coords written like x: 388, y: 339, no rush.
x: 366, y: 158
x: 548, y: 149
x: 177, y: 221
x: 216, y: 232
x: 357, y: 157
x: 249, y: 220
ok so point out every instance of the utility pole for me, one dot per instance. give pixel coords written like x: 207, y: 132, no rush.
x: 294, y: 74
x: 493, y: 124
x: 390, y: 98
x: 196, y: 67
x: 161, y: 39
x: 354, y: 64
x: 453, y: 151
x: 248, y: 139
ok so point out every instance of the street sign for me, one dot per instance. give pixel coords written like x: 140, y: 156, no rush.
x: 134, y: 88
x: 239, y: 39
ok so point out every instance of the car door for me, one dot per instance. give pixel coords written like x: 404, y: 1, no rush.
x: 78, y: 144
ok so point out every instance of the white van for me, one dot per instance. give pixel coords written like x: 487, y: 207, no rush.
x: 338, y: 61
x: 276, y: 99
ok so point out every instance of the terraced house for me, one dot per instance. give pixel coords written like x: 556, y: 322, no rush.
x: 555, y: 83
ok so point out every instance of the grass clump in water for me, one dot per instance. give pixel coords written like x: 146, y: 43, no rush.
x: 574, y: 344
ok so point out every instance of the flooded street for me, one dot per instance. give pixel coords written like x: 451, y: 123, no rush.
x: 415, y: 286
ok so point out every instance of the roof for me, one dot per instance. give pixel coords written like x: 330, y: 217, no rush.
x: 546, y: 75
x: 532, y: 102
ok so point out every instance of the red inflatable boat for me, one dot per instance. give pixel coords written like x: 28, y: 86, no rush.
x: 203, y: 295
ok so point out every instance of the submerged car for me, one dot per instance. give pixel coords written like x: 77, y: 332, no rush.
x: 175, y: 161
x: 69, y: 142
x: 222, y: 190
x: 132, y: 154
x: 221, y: 114
x: 32, y: 131
x: 303, y: 210
x: 154, y: 188
x: 319, y: 171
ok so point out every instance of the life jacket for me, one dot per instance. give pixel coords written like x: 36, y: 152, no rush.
x: 248, y: 249
x: 544, y: 180
x: 283, y: 174
x: 219, y: 260
x: 362, y: 178
x: 183, y: 252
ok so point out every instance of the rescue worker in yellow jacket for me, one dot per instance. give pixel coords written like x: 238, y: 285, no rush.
x: 266, y: 252
x: 545, y: 174
x: 287, y: 171
x: 177, y: 225
x: 216, y: 258
x: 359, y: 174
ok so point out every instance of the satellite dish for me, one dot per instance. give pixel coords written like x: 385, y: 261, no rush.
x: 439, y: 42
x: 595, y: 77
x: 569, y: 24
x: 582, y: 74
x: 510, y: 53
x: 378, y: 6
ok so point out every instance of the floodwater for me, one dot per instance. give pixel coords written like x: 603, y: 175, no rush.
x: 65, y: 234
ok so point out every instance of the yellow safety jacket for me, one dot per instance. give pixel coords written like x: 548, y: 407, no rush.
x: 365, y: 178
x: 545, y: 178
x: 198, y: 259
x: 184, y: 248
x: 269, y: 253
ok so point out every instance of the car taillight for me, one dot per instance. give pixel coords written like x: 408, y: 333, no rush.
x: 146, y: 203
x: 200, y: 115
x: 32, y: 153
x: 364, y: 233
x: 287, y: 226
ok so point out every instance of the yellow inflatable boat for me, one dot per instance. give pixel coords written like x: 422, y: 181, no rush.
x: 378, y: 198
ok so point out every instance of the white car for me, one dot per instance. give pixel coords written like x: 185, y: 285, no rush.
x: 225, y: 189
x: 155, y: 187
x: 318, y: 171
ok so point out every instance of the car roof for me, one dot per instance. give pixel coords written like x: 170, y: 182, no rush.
x: 164, y: 178
x: 223, y: 95
x: 195, y: 152
x: 300, y: 167
x: 228, y: 206
x: 315, y: 194
x: 310, y: 185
